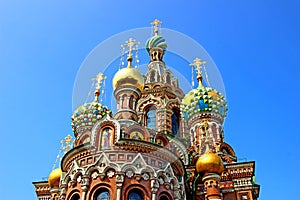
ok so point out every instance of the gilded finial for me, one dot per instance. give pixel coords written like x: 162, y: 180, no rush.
x: 65, y: 147
x: 156, y: 23
x: 99, y: 78
x: 198, y: 64
x: 67, y: 143
x: 132, y: 45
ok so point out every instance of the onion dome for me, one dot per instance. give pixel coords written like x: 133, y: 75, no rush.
x: 54, y: 177
x: 209, y: 162
x: 128, y: 77
x: 88, y: 114
x: 156, y: 41
x: 203, y: 99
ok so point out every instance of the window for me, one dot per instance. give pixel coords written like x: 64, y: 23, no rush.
x: 168, y: 78
x: 163, y: 198
x: 75, y: 197
x: 102, y: 194
x: 151, y: 119
x: 135, y: 195
x: 175, y: 123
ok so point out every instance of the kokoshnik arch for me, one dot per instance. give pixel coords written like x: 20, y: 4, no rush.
x: 160, y: 144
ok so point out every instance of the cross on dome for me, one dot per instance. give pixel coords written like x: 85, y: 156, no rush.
x: 67, y: 143
x: 99, y: 79
x: 156, y: 23
x: 132, y: 45
x: 198, y: 64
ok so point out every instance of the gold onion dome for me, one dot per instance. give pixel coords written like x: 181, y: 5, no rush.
x: 128, y: 77
x: 54, y: 177
x: 209, y: 162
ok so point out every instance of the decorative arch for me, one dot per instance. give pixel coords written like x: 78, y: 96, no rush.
x: 97, y: 189
x: 140, y: 130
x: 228, y: 149
x: 99, y: 127
x: 150, y: 100
x: 101, y: 166
x: 73, y: 173
x: 164, y: 196
x: 162, y: 140
x: 138, y: 189
x: 74, y: 195
x: 138, y: 166
x: 83, y: 138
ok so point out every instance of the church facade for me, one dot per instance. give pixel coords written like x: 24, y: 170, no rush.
x: 161, y: 144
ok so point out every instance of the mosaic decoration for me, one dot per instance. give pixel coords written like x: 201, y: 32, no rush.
x: 88, y: 114
x: 203, y: 99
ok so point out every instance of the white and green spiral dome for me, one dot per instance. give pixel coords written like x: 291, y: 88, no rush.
x: 156, y: 41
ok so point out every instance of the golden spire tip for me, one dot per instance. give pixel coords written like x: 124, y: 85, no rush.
x: 198, y: 64
x: 156, y: 23
x: 99, y: 78
x: 132, y: 45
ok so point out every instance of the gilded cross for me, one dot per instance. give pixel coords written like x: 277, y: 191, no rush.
x: 99, y: 78
x: 130, y: 44
x: 155, y: 24
x: 67, y: 143
x: 198, y: 64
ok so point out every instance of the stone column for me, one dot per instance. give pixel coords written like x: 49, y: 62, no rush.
x: 119, y: 184
x: 63, y: 189
x: 85, y: 182
x: 154, y: 188
x: 211, y: 185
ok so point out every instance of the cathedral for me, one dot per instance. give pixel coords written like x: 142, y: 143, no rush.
x: 160, y: 144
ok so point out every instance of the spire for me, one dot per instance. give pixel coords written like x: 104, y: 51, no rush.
x: 132, y: 45
x: 99, y: 78
x: 198, y: 64
x: 156, y: 23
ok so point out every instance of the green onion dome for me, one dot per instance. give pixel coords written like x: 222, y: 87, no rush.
x: 203, y: 100
x: 87, y: 115
x: 156, y: 41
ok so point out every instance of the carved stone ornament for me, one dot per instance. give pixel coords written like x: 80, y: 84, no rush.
x: 129, y: 174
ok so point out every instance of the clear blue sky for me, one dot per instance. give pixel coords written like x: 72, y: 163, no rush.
x: 254, y: 43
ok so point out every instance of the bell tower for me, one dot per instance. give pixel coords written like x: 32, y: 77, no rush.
x: 159, y: 106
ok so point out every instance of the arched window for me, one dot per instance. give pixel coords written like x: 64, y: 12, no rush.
x: 135, y: 195
x: 151, y: 118
x: 168, y: 78
x: 164, y: 198
x: 152, y: 77
x: 102, y: 194
x: 175, y: 123
x: 75, y: 197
